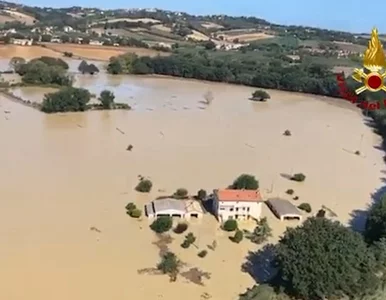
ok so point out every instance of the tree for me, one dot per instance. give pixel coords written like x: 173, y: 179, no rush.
x: 230, y: 225
x: 92, y: 69
x: 180, y: 228
x: 260, y: 95
x: 170, y: 264
x: 135, y: 213
x: 300, y: 177
x: 52, y: 61
x: 201, y: 195
x: 238, y: 237
x: 67, y: 99
x: 245, y: 182
x: 114, y: 67
x: 162, y: 224
x: 262, y: 292
x: 375, y: 227
x: 107, y: 99
x: 83, y: 66
x: 261, y: 233
x: 209, y: 45
x: 144, y: 186
x: 306, y: 207
x: 15, y: 61
x: 323, y: 259
x: 181, y: 193
x: 46, y: 38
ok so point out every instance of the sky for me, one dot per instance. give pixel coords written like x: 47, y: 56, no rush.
x: 346, y: 15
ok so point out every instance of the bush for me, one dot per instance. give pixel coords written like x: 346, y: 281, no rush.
x: 230, y: 225
x: 296, y: 198
x: 202, y: 253
x: 162, y: 224
x: 300, y: 177
x: 245, y: 182
x: 130, y: 206
x: 321, y: 213
x: 290, y: 191
x: 144, y: 186
x: 181, y: 228
x: 190, y: 238
x: 68, y: 54
x: 287, y: 133
x: 185, y: 244
x: 135, y: 213
x: 260, y: 95
x: 238, y: 237
x: 181, y: 193
x: 201, y: 194
x: 261, y: 233
x: 306, y: 207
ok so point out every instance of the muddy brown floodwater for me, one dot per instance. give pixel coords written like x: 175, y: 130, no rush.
x: 62, y: 174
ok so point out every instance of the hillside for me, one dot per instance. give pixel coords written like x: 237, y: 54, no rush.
x: 154, y: 27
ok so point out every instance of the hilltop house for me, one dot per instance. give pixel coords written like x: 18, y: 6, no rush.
x: 236, y: 204
x: 96, y: 43
x: 68, y: 29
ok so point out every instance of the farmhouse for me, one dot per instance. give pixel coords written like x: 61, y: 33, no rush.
x: 174, y: 208
x: 21, y: 42
x: 283, y: 209
x: 236, y: 204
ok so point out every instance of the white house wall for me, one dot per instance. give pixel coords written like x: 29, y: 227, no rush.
x: 225, y: 206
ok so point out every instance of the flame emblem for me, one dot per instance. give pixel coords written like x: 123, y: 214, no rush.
x: 374, y: 61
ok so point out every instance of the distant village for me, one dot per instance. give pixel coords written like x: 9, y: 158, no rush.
x: 98, y: 34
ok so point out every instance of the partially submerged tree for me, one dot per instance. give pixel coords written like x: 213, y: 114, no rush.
x: 260, y: 95
x: 84, y: 67
x: 261, y: 233
x: 162, y: 224
x: 144, y: 186
x: 245, y: 182
x: 107, y: 99
x: 171, y: 265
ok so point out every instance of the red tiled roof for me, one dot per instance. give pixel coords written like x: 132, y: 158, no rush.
x: 238, y: 195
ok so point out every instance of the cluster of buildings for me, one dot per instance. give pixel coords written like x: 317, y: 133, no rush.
x: 225, y: 204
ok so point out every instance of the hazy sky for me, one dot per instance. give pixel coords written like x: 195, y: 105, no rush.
x: 348, y: 15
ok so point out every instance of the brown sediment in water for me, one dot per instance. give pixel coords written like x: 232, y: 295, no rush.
x: 62, y: 174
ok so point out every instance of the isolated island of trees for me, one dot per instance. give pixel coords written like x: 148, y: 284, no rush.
x: 50, y: 71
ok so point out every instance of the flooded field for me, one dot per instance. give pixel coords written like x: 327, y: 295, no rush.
x: 62, y: 174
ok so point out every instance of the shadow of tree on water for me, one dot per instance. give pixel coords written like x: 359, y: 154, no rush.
x: 259, y: 264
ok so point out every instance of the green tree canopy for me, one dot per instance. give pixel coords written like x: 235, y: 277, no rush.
x: 67, y: 99
x: 107, y: 99
x: 323, y: 259
x: 245, y: 182
x: 375, y: 228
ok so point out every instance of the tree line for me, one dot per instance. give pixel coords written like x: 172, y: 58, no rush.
x: 274, y: 74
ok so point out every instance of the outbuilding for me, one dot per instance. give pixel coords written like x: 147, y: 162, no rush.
x: 283, y: 209
x: 165, y: 207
